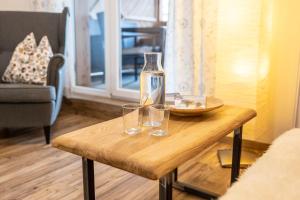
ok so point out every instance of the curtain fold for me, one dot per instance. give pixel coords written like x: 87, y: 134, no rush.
x: 190, y: 55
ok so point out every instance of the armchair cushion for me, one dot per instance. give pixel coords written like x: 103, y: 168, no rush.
x: 25, y: 93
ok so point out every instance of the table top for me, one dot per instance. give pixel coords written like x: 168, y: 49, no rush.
x: 149, y: 156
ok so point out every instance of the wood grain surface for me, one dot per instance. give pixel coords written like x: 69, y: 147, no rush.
x: 148, y: 156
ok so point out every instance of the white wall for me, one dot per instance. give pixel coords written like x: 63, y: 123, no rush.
x: 50, y: 6
x: 16, y: 5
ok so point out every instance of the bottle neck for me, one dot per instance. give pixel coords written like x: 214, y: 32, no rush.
x: 152, y: 62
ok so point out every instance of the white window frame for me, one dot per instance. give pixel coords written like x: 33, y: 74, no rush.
x: 87, y: 92
x: 116, y: 61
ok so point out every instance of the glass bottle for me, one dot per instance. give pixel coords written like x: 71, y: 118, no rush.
x: 152, y: 83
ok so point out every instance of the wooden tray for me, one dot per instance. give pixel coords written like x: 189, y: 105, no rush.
x: 212, y: 103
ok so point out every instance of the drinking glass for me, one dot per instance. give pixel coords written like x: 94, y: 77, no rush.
x: 159, y: 117
x: 132, y: 118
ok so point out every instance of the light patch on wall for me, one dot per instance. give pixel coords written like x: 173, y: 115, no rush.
x: 232, y: 15
x: 264, y: 68
x: 243, y: 69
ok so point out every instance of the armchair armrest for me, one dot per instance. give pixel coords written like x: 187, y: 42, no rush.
x: 56, y: 78
x: 55, y: 74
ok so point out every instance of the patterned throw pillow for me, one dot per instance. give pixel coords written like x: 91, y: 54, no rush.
x: 29, y: 63
x: 36, y: 69
x: 21, y: 55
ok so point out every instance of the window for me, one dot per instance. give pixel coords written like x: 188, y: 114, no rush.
x: 111, y: 38
x: 141, y: 31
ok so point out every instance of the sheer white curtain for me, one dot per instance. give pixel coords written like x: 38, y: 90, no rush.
x: 190, y: 47
x: 49, y: 5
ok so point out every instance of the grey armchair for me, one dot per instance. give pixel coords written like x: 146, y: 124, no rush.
x: 23, y: 105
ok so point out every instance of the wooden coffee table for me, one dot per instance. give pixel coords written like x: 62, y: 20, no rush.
x: 156, y: 157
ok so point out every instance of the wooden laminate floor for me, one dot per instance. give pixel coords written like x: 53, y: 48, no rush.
x: 31, y: 170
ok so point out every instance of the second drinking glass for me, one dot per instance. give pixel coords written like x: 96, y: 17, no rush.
x: 159, y: 119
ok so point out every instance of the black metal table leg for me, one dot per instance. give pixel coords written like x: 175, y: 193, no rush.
x: 88, y: 179
x: 235, y: 170
x: 184, y: 187
x: 175, y: 175
x: 236, y: 154
x: 165, y: 187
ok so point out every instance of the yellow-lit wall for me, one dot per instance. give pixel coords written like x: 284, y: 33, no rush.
x: 257, y: 64
x: 285, y: 64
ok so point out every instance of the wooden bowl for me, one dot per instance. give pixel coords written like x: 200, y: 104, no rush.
x: 212, y: 103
